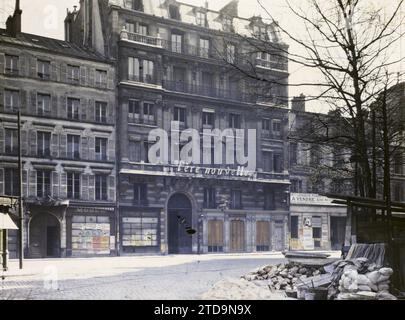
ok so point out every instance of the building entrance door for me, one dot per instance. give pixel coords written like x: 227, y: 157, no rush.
x: 179, y: 222
x: 337, y: 232
x: 237, y: 236
x: 44, y: 237
x: 278, y: 237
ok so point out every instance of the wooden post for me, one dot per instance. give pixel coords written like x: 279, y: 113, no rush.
x: 348, y: 233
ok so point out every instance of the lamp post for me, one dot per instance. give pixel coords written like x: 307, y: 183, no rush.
x: 20, y: 206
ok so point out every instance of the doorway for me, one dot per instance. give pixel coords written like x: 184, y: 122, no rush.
x: 179, y: 225
x: 279, y: 237
x: 237, y: 236
x: 44, y: 237
x: 337, y: 232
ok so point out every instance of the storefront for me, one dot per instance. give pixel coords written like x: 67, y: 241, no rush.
x: 316, y: 223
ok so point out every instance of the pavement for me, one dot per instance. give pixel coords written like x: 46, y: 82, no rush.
x: 170, y: 277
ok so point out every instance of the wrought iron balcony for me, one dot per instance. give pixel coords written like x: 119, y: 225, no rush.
x: 146, y: 40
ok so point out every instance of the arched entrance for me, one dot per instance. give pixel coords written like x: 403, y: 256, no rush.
x: 179, y: 224
x: 44, y: 236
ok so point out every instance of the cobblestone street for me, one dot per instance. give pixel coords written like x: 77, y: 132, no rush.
x: 151, y: 277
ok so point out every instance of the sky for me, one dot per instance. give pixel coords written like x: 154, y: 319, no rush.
x: 45, y: 17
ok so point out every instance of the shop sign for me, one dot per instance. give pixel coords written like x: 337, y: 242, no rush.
x: 310, y: 199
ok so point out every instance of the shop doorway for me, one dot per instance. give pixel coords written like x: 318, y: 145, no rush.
x: 237, y: 236
x: 179, y: 224
x: 44, y: 237
x: 337, y: 232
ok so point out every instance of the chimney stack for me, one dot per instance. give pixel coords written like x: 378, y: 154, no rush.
x: 298, y: 103
x: 13, y: 23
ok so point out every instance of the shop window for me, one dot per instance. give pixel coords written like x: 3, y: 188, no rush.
x: 101, y: 187
x: 294, y: 227
x: 11, y: 100
x: 73, y: 185
x: 11, y: 182
x: 140, y: 232
x: 43, y: 144
x: 209, y: 198
x: 43, y: 183
x: 140, y: 194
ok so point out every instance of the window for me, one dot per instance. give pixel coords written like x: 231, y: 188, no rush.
x: 315, y: 156
x: 177, y: 43
x: 293, y: 154
x: 201, y: 18
x: 139, y: 232
x: 130, y: 27
x: 317, y: 231
x: 264, y: 59
x: 174, y: 12
x: 140, y: 194
x: 204, y: 48
x: 146, y: 152
x: 101, y: 79
x: 140, y: 70
x: 296, y: 186
x: 277, y: 163
x: 133, y: 111
x: 11, y: 66
x: 208, y: 119
x: 236, y: 199
x: 43, y: 144
x: 11, y: 187
x: 148, y: 113
x: 101, y: 149
x: 135, y: 151
x: 73, y: 185
x: 11, y: 141
x: 73, y: 146
x: 11, y: 100
x: 259, y: 32
x: 43, y: 104
x: 266, y: 125
x: 134, y: 4
x: 73, y: 106
x: 210, y: 198
x: 294, y: 227
x: 277, y: 127
x: 267, y: 161
x: 269, y: 199
x: 73, y: 73
x: 143, y: 29
x: 180, y: 115
x: 230, y: 53
x: 43, y: 183
x: 227, y: 24
x: 398, y: 164
x: 44, y: 69
x: 101, y: 112
x: 101, y: 187
x: 398, y: 192
x: 234, y: 121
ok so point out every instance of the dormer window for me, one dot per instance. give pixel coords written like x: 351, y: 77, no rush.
x: 201, y: 18
x: 134, y: 5
x: 174, y: 12
x: 259, y: 32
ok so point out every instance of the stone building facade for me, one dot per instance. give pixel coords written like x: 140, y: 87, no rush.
x: 171, y: 69
x: 66, y: 96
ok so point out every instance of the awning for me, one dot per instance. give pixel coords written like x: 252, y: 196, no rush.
x: 6, y: 222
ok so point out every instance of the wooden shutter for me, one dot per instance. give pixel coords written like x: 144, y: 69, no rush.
x: 92, y: 187
x: 111, y: 188
x: 110, y: 149
x: 1, y: 100
x: 33, y: 103
x: 24, y: 142
x: 54, y: 145
x: 110, y: 111
x: 62, y: 106
x: 63, y: 145
x: 237, y: 236
x: 215, y: 233
x: 23, y: 66
x: 110, y: 79
x: 32, y: 185
x: 91, y: 110
x: 55, y: 184
x: 83, y: 72
x: 85, y: 187
x: 33, y: 143
x: 1, y: 181
x: 54, y: 105
x: 33, y: 67
x: 23, y: 101
x: 25, y: 183
x: 92, y: 148
x: 63, y: 185
x: 263, y: 233
x: 2, y: 62
x: 84, y: 151
x: 2, y: 142
x: 91, y: 77
x: 54, y: 71
x: 63, y: 72
x: 83, y: 109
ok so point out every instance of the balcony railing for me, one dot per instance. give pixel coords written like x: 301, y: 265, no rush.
x: 136, y: 37
x: 209, y: 91
x: 271, y: 64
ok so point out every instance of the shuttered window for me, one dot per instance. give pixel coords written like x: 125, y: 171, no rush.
x: 215, y: 236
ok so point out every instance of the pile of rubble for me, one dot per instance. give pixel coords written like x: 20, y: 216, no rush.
x: 285, y: 276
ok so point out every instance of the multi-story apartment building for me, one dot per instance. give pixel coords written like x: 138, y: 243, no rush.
x: 66, y: 96
x: 174, y: 67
